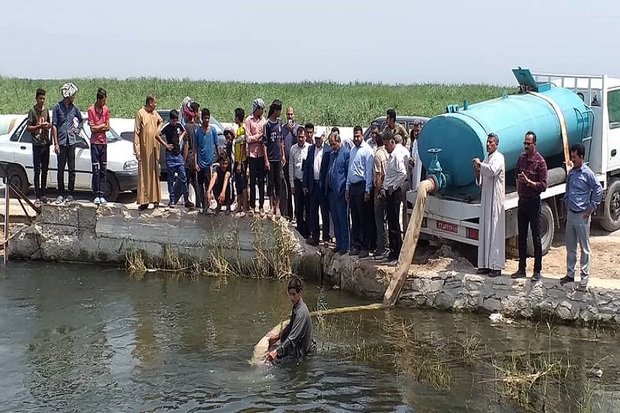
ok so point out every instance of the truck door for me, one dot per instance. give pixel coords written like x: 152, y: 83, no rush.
x: 613, y: 141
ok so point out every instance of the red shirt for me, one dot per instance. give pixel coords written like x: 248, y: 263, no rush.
x: 98, y: 117
x: 536, y: 170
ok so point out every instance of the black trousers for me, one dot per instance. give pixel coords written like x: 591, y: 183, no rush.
x: 66, y: 157
x: 301, y: 205
x: 528, y: 215
x: 286, y: 199
x: 274, y: 179
x: 99, y: 159
x: 257, y: 173
x: 361, y: 217
x: 40, y: 161
x: 204, y: 177
x: 392, y: 206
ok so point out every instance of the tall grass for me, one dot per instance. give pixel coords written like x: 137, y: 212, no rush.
x: 317, y: 102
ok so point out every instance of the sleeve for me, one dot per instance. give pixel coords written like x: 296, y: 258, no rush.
x: 79, y: 114
x: 291, y: 167
x: 249, y: 137
x: 265, y: 133
x: 597, y: 191
x: 298, y: 329
x: 541, y: 185
x: 347, y: 184
x: 305, y: 180
x: 107, y: 115
x: 368, y: 171
x: 32, y: 118
x: 214, y: 135
x: 492, y: 168
x: 137, y: 129
x: 55, y: 119
x: 91, y: 114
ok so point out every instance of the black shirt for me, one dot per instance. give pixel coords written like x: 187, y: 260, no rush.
x: 172, y: 134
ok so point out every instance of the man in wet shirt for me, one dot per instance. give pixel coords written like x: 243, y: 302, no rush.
x: 295, y: 340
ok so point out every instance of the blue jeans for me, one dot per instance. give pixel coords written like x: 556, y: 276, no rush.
x: 175, y: 164
x: 339, y: 209
x: 577, y: 231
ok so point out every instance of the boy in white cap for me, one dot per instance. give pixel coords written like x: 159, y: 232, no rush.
x: 66, y: 123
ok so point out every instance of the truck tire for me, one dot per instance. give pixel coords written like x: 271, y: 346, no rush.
x: 547, y: 231
x: 610, y: 219
x: 17, y: 176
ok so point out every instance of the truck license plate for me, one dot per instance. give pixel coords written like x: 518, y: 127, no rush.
x: 448, y: 227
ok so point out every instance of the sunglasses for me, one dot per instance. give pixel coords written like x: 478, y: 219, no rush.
x: 528, y: 143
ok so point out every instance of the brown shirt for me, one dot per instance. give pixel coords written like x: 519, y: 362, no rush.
x: 40, y: 137
x: 535, y: 168
x: 400, y: 130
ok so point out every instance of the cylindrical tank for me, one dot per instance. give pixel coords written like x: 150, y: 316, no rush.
x: 462, y: 135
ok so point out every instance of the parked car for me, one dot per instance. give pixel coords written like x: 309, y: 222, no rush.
x: 406, y: 121
x: 165, y: 114
x: 122, y: 174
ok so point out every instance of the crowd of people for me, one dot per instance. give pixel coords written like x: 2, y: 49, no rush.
x: 346, y: 193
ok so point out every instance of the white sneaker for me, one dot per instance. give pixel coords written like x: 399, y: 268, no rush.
x: 60, y: 199
x: 103, y: 200
x: 70, y: 198
x: 97, y: 201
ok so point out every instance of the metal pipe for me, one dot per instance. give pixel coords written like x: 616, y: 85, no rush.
x: 7, y: 199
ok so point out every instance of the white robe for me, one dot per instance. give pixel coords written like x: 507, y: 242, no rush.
x: 491, y: 239
x: 416, y: 172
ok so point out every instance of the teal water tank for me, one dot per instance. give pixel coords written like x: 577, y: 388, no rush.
x: 462, y: 135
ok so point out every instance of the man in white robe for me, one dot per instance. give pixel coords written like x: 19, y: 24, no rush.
x: 490, y: 175
x: 415, y: 164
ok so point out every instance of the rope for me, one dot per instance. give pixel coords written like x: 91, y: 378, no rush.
x: 563, y: 129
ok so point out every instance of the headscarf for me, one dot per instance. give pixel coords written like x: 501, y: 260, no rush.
x: 186, y: 108
x: 258, y: 103
x: 68, y: 90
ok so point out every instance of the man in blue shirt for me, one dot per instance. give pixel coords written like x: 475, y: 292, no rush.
x: 583, y: 195
x: 66, y: 124
x: 205, y: 144
x: 336, y: 183
x: 358, y: 190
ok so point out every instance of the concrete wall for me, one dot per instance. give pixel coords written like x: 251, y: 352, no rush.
x: 85, y: 233
x: 457, y: 290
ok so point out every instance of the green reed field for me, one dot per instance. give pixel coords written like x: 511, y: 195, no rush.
x: 318, y: 102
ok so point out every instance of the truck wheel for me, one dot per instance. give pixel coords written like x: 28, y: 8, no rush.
x: 17, y: 176
x: 547, y: 230
x: 111, y: 187
x: 610, y: 220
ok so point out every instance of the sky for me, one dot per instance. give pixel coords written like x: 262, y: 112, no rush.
x: 388, y: 41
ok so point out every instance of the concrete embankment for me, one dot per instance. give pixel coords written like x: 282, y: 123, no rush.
x: 440, y: 279
x: 159, y: 238
x: 176, y: 239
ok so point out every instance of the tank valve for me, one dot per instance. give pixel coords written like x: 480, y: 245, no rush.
x: 435, y: 171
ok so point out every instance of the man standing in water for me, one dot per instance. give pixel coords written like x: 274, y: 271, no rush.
x: 490, y: 175
x: 296, y: 339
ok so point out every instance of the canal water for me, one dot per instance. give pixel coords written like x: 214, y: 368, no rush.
x: 77, y: 338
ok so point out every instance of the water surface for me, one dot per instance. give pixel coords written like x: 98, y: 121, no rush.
x: 77, y: 338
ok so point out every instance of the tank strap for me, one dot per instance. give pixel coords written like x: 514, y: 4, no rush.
x: 562, y: 119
